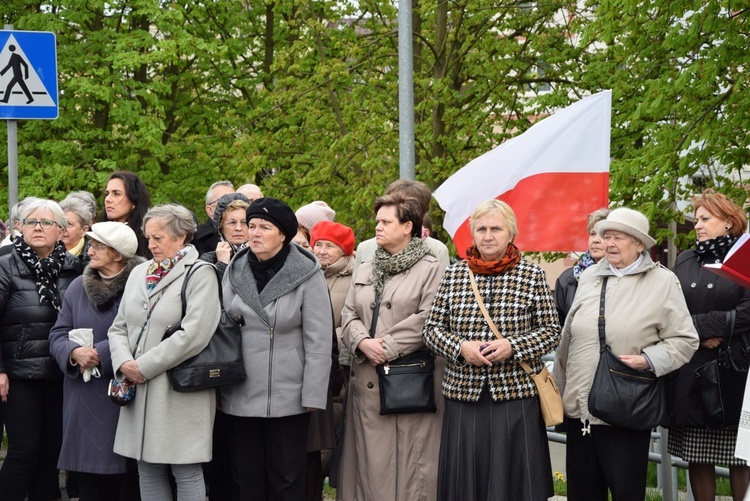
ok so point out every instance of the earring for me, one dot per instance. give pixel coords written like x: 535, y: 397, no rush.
x: 727, y: 228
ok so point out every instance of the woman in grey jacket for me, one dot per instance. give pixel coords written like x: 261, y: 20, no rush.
x: 280, y: 291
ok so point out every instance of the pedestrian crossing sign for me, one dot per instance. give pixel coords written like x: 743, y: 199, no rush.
x: 28, y: 75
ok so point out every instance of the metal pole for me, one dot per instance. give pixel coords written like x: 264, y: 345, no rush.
x: 12, y: 158
x: 405, y: 91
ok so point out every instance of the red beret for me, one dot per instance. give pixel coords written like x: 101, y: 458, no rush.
x: 341, y: 235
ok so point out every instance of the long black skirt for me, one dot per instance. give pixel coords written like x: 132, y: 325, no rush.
x: 494, y: 451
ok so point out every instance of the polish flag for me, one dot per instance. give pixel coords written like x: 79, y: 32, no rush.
x: 553, y: 176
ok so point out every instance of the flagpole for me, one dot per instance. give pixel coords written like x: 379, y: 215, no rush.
x: 12, y: 159
x: 405, y: 91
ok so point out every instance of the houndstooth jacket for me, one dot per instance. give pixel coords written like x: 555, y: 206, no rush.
x: 520, y: 302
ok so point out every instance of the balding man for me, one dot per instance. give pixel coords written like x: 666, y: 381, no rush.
x: 251, y: 191
x: 207, y: 235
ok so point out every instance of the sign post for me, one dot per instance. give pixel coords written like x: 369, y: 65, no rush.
x: 28, y: 87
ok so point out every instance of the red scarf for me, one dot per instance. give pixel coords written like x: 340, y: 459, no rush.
x: 477, y: 265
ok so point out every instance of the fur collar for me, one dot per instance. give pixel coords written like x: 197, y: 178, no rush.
x: 101, y: 295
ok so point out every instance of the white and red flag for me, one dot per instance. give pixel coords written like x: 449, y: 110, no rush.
x: 553, y: 176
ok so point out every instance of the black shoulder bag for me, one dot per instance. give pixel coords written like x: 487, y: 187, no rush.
x: 722, y: 381
x: 220, y: 363
x: 406, y: 384
x: 621, y: 396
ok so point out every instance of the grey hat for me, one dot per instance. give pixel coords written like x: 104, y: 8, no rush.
x: 628, y: 221
x: 119, y: 236
x: 225, y: 200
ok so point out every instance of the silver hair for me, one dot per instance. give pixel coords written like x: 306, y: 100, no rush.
x: 209, y: 193
x: 87, y: 198
x: 595, y: 217
x: 50, y: 205
x: 78, y: 207
x: 174, y: 218
x: 15, y: 211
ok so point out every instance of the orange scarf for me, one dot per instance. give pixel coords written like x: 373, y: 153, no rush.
x: 477, y: 265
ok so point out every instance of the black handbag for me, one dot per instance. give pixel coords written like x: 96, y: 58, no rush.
x: 406, y: 384
x: 721, y: 382
x: 622, y: 396
x: 220, y: 363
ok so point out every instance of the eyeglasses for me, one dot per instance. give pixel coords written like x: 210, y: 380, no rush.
x: 45, y: 223
x: 97, y: 246
x: 233, y: 223
x: 214, y: 202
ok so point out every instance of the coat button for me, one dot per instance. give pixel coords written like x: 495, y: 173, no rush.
x: 388, y: 305
x: 693, y: 285
x: 370, y: 385
x: 145, y: 306
x: 710, y: 286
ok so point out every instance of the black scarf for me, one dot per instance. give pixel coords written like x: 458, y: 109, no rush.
x: 45, y: 270
x: 715, y: 249
x: 264, y: 271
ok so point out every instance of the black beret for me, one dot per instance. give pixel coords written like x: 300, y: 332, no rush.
x: 277, y: 212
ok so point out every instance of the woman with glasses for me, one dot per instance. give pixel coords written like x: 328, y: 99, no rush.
x: 33, y: 281
x: 126, y: 200
x: 79, y: 216
x: 89, y: 420
x: 229, y: 217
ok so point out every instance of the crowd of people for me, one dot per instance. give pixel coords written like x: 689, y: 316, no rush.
x: 87, y: 298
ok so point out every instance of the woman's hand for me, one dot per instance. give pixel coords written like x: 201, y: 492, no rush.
x: 711, y: 343
x: 470, y: 352
x: 85, y: 358
x: 372, y: 348
x: 131, y: 371
x: 636, y: 361
x: 4, y: 387
x: 223, y: 252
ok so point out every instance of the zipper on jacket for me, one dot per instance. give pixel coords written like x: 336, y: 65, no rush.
x: 270, y: 372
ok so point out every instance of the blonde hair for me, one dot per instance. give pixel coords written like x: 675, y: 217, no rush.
x: 497, y: 207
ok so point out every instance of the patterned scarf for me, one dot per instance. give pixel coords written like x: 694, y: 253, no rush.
x: 583, y: 263
x: 714, y: 250
x: 477, y: 265
x: 45, y: 270
x: 157, y: 271
x: 388, y: 265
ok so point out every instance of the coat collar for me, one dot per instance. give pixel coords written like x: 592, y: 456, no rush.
x: 176, y: 272
x: 602, y: 267
x: 298, y: 267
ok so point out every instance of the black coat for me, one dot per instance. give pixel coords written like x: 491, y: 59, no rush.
x: 708, y: 298
x: 565, y: 291
x: 206, y: 237
x: 25, y: 323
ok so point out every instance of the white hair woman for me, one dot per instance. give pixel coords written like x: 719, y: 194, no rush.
x: 161, y: 427
x: 78, y: 215
x: 33, y: 281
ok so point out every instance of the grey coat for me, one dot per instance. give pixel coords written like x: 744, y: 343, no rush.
x: 286, y: 339
x: 162, y: 425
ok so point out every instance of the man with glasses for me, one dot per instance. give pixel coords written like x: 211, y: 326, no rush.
x: 207, y: 235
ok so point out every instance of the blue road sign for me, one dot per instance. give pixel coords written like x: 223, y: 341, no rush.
x: 28, y: 75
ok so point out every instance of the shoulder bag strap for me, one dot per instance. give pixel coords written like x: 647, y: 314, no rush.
x: 145, y: 322
x: 375, y: 313
x: 602, y: 341
x: 487, y: 317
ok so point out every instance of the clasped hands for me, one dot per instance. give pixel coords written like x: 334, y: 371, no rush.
x: 479, y: 353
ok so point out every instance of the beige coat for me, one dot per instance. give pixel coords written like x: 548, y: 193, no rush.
x: 392, y: 457
x: 338, y: 277
x: 645, y: 313
x: 162, y: 425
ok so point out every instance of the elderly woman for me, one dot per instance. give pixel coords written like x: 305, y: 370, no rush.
x: 229, y: 217
x: 89, y: 420
x: 161, y: 427
x: 567, y: 282
x: 286, y: 343
x: 79, y: 216
x: 33, y: 281
x: 718, y: 224
x: 648, y: 326
x: 126, y: 200
x: 493, y: 444
x: 394, y: 456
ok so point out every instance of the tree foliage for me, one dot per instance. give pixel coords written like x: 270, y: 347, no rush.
x: 301, y: 97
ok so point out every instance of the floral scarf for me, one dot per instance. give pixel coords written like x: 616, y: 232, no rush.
x: 45, y: 270
x: 714, y: 249
x: 477, y: 265
x: 157, y: 271
x: 388, y: 265
x: 583, y: 263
